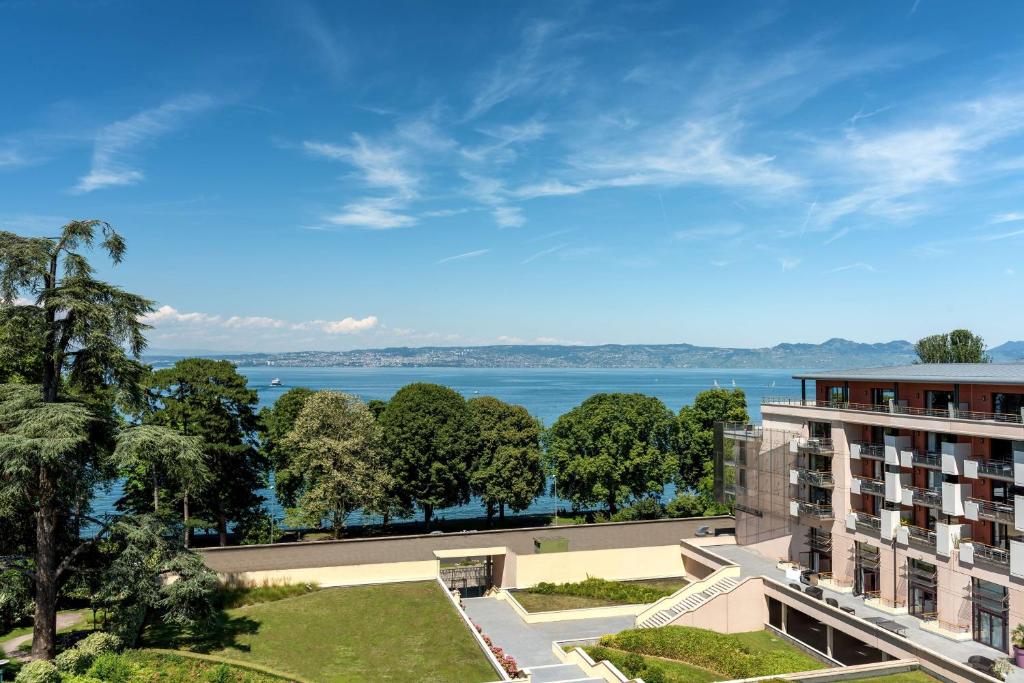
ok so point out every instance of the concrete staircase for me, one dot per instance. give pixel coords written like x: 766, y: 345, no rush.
x: 689, y: 603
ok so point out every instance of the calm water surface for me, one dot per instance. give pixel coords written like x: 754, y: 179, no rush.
x: 546, y: 393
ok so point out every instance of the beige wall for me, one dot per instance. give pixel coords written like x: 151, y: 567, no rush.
x: 620, y: 563
x: 351, y: 575
x: 740, y: 610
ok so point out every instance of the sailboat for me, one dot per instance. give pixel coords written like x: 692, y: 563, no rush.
x: 275, y: 382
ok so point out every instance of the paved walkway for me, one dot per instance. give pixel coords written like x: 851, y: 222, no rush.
x: 11, y: 647
x: 530, y: 644
x: 753, y: 563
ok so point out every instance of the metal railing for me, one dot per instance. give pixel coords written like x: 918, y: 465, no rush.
x: 875, y: 487
x: 815, y: 510
x: 816, y: 445
x: 896, y: 409
x: 990, y: 553
x: 1000, y: 512
x: 925, y: 459
x: 928, y: 497
x: 920, y: 536
x: 994, y: 468
x: 868, y: 521
x: 875, y: 451
x: 815, y: 477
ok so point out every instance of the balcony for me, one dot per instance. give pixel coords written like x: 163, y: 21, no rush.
x: 819, y: 478
x: 913, y: 495
x: 815, y: 446
x: 989, y: 469
x: 985, y: 554
x: 859, y: 484
x: 870, y: 451
x: 896, y: 409
x: 916, y: 536
x: 816, y: 511
x: 863, y: 522
x: 926, y: 459
x: 976, y: 508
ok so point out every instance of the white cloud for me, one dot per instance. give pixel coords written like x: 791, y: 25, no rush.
x: 382, y: 166
x: 852, y: 266
x: 350, y: 325
x: 324, y: 41
x: 114, y: 144
x: 789, y: 263
x: 544, y: 252
x: 1001, y: 236
x: 509, y: 216
x: 709, y: 232
x: 1008, y: 217
x: 466, y: 255
x: 372, y: 214
x: 168, y: 316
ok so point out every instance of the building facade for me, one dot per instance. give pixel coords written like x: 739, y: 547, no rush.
x: 904, y: 485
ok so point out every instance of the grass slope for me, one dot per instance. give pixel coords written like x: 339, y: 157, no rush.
x: 390, y: 632
x: 594, y: 592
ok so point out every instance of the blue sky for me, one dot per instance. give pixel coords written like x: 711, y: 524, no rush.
x: 299, y: 175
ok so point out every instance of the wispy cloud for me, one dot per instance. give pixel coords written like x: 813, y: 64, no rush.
x: 466, y: 255
x: 1008, y: 217
x: 544, y: 252
x: 509, y: 216
x: 381, y: 166
x: 322, y: 38
x: 789, y: 262
x: 709, y: 232
x: 852, y: 266
x: 1001, y: 236
x: 372, y: 214
x: 114, y: 145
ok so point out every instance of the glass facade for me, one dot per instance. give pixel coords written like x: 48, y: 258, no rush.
x: 990, y: 613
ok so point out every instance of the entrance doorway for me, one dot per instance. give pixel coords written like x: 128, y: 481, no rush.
x: 990, y: 613
x: 923, y: 596
x: 865, y: 578
x: 471, y: 576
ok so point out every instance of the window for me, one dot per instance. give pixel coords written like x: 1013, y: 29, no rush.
x: 936, y: 440
x: 938, y: 400
x: 1007, y: 403
x: 933, y: 480
x: 878, y: 434
x: 837, y: 395
x: 990, y: 613
x: 819, y: 430
x: 1002, y: 450
x: 881, y: 397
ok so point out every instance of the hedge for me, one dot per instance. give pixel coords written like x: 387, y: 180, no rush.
x: 618, y: 591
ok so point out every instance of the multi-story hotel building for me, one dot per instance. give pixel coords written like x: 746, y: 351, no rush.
x: 902, y: 484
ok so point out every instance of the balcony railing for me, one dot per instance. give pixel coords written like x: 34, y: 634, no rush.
x: 927, y: 497
x: 991, y: 554
x: 875, y: 487
x: 920, y: 536
x: 925, y: 459
x: 816, y: 445
x: 996, y: 469
x: 815, y: 510
x: 895, y: 409
x: 868, y: 522
x: 874, y: 451
x: 997, y: 512
x: 815, y: 477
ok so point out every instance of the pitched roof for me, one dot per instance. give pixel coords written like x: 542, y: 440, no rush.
x: 958, y: 373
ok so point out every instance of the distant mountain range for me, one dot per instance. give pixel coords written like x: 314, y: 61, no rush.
x: 834, y: 353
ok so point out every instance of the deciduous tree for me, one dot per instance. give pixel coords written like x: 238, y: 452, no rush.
x: 613, y: 448
x: 958, y: 346
x: 431, y: 441
x: 509, y: 470
x: 338, y: 459
x: 697, y: 431
x: 277, y: 422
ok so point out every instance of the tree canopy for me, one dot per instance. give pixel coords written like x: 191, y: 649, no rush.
x: 697, y: 442
x: 337, y: 463
x: 432, y: 442
x: 210, y: 400
x: 958, y: 346
x: 613, y: 448
x: 277, y: 422
x: 509, y: 469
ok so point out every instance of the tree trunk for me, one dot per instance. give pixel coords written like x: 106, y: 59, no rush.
x: 44, y: 627
x: 222, y: 530
x: 188, y: 531
x: 490, y: 514
x: 156, y: 493
x: 428, y: 512
x: 611, y: 507
x: 501, y: 511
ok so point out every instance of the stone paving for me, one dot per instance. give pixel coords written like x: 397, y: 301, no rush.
x: 753, y: 563
x: 530, y: 644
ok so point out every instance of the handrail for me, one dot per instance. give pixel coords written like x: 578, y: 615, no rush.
x: 870, y: 450
x: 991, y: 552
x: 994, y: 509
x: 815, y: 477
x: 998, y: 468
x: 731, y: 571
x: 896, y: 409
x: 920, y: 534
x: 813, y: 509
x: 868, y: 519
x: 927, y: 496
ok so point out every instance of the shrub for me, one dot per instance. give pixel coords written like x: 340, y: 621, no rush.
x: 653, y: 674
x: 686, y: 505
x: 616, y: 591
x: 632, y: 664
x: 717, y: 652
x: 15, y: 599
x: 73, y: 661
x: 39, y: 671
x: 645, y: 508
x: 100, y: 643
x: 113, y: 668
x: 220, y: 674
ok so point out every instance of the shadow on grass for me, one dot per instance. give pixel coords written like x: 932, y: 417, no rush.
x: 221, y: 634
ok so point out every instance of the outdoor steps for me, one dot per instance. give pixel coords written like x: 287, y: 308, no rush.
x: 690, y: 603
x: 559, y: 673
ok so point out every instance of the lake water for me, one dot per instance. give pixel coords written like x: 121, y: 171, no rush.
x: 546, y: 393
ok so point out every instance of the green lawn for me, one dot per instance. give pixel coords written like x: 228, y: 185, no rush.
x: 740, y: 655
x: 908, y: 677
x: 675, y: 672
x: 595, y: 593
x: 390, y: 632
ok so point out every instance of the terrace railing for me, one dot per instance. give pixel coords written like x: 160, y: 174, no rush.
x: 868, y: 522
x: 927, y: 497
x: 991, y: 554
x: 875, y: 487
x: 875, y: 451
x: 995, y: 468
x: 992, y: 510
x: 921, y: 536
x: 897, y: 409
x: 817, y: 478
x: 815, y: 510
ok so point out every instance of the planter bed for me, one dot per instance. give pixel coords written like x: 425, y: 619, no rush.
x: 595, y: 593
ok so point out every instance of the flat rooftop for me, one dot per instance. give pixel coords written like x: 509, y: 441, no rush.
x: 941, y: 373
